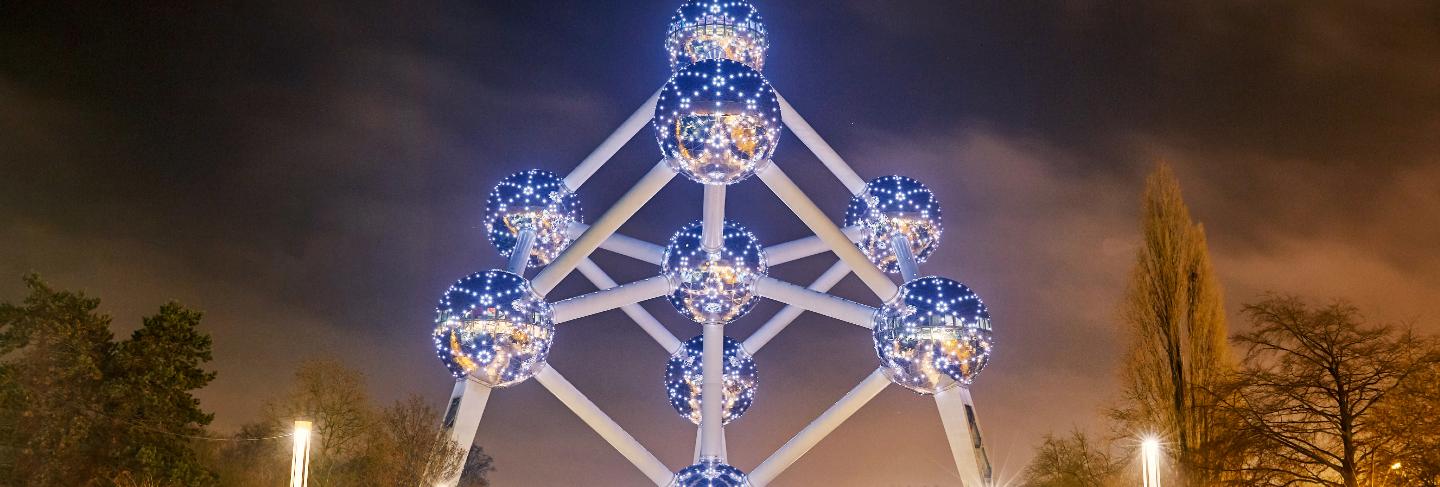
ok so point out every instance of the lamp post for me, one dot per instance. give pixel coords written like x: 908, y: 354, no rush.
x: 300, y: 461
x: 1150, y: 462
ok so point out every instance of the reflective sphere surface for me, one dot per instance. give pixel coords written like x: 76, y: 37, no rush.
x: 684, y: 376
x: 710, y: 473
x: 713, y: 286
x: 716, y: 29
x: 491, y: 325
x: 536, y: 200
x: 717, y: 121
x: 890, y: 206
x: 934, y: 335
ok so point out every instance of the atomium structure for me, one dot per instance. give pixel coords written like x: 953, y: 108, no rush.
x: 717, y: 122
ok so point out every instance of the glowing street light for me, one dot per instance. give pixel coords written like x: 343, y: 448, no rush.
x: 300, y: 462
x: 1150, y: 462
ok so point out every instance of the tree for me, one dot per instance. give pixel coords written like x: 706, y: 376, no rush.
x: 1071, y: 462
x: 1412, y: 416
x: 477, y: 468
x: 334, y: 398
x: 407, y: 448
x: 1175, y: 320
x: 1313, y: 392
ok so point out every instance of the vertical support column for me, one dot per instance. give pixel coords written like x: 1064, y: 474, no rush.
x: 300, y: 459
x: 520, y: 254
x: 712, y: 392
x: 713, y: 229
x: 967, y: 446
x: 909, y: 269
x: 462, y: 418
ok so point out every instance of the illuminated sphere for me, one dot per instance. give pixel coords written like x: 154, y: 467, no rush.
x: 717, y: 121
x: 933, y: 335
x: 713, y: 285
x: 684, y: 376
x: 716, y: 29
x: 710, y: 472
x: 892, y: 205
x: 492, y: 326
x: 537, y: 200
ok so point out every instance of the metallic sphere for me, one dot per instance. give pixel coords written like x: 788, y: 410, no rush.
x: 717, y: 121
x: 710, y: 472
x: 685, y: 374
x: 713, y: 285
x: 716, y: 29
x: 492, y: 326
x: 934, y: 335
x: 535, y: 200
x: 891, y: 206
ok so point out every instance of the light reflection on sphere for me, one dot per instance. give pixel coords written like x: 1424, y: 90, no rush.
x: 537, y: 200
x: 717, y: 121
x: 684, y: 378
x: 710, y: 473
x: 893, y: 205
x: 713, y: 286
x: 934, y: 335
x: 716, y: 29
x: 492, y: 326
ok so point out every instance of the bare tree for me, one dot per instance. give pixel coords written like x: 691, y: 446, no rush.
x: 1174, y: 317
x: 1312, y: 390
x: 1072, y: 462
x: 405, y: 448
x: 334, y: 397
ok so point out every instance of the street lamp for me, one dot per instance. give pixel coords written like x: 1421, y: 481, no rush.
x: 300, y: 461
x: 1150, y: 462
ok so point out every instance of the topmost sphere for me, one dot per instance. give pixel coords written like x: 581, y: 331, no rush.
x: 716, y: 29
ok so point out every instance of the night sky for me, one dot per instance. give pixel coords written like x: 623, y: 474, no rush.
x: 313, y: 174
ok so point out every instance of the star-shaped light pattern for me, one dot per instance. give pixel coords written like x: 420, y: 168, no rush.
x: 717, y: 121
x: 713, y: 285
x: 933, y: 335
x: 684, y: 376
x: 716, y: 29
x: 891, y: 205
x: 710, y: 472
x: 536, y: 200
x: 492, y: 326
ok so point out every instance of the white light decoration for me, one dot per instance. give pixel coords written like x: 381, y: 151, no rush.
x: 894, y: 206
x: 933, y: 336
x: 492, y: 327
x: 716, y: 29
x: 684, y: 374
x: 717, y: 121
x: 713, y: 285
x: 710, y: 472
x: 537, y: 201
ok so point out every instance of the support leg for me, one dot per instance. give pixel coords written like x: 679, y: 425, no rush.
x: 712, y: 392
x: 967, y: 446
x: 462, y: 418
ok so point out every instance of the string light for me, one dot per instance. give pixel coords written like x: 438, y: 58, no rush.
x: 713, y: 285
x: 717, y: 121
x: 715, y: 29
x: 892, y: 205
x: 536, y: 200
x: 684, y: 376
x: 710, y: 472
x: 933, y: 335
x: 492, y: 326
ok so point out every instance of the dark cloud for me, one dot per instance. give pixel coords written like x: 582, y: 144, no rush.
x: 312, y: 176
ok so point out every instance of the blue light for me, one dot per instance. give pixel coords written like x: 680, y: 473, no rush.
x: 717, y: 121
x: 934, y: 335
x: 716, y: 29
x: 710, y: 473
x: 713, y: 285
x: 895, y: 205
x: 492, y: 326
x: 684, y: 376
x: 537, y: 200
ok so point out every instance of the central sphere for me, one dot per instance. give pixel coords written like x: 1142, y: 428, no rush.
x: 933, y: 335
x: 710, y: 472
x: 716, y: 29
x: 532, y: 200
x: 717, y: 121
x: 684, y: 376
x: 492, y: 326
x: 893, y: 206
x: 713, y: 285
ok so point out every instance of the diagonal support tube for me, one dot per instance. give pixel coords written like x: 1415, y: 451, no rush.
x: 833, y: 306
x: 626, y: 207
x: 904, y: 258
x: 782, y: 319
x: 520, y: 254
x: 625, y: 245
x: 637, y: 313
x: 607, y: 428
x: 801, y: 248
x: 608, y: 299
x: 613, y: 143
x: 822, y: 150
x: 819, y: 428
x: 828, y: 232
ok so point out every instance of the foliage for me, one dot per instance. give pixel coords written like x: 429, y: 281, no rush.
x: 407, y: 447
x: 1072, y: 462
x: 1174, y: 317
x: 478, y: 466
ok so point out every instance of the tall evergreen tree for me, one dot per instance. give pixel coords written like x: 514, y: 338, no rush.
x: 1174, y: 317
